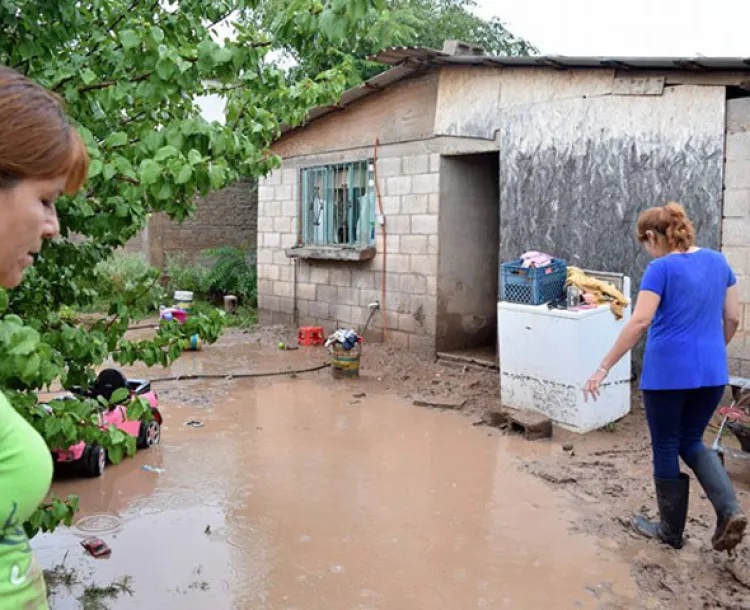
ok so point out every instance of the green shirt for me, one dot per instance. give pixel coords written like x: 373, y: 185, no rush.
x: 25, y: 477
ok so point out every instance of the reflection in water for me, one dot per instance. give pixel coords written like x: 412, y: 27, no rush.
x: 291, y: 498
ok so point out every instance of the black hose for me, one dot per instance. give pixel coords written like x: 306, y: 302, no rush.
x: 230, y: 376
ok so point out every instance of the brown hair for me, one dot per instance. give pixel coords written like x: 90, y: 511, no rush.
x: 671, y: 222
x: 36, y: 140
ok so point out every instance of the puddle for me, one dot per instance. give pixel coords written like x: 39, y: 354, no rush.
x: 290, y: 497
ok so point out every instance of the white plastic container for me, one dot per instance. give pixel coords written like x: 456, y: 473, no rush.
x: 546, y: 356
x: 183, y: 299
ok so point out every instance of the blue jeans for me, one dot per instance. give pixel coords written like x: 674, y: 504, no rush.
x: 677, y: 420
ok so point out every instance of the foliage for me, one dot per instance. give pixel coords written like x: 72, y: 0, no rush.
x: 408, y: 23
x: 232, y: 271
x: 131, y: 275
x: 130, y: 72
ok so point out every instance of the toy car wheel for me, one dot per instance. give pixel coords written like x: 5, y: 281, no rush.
x: 93, y: 461
x: 150, y: 434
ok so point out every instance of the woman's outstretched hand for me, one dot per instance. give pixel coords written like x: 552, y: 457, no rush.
x: 593, y: 385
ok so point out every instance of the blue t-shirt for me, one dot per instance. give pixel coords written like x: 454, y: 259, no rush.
x: 685, y: 347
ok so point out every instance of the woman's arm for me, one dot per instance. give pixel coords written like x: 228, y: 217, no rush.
x: 731, y: 313
x: 645, y: 309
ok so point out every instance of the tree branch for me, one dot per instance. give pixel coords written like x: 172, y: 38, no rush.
x: 112, y: 83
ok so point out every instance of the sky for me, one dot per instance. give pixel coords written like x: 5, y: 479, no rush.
x: 716, y: 28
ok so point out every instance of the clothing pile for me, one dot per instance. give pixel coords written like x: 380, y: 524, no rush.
x: 346, y: 338
x: 597, y: 292
x: 535, y: 260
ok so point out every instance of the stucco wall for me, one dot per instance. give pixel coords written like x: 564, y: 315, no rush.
x: 736, y: 223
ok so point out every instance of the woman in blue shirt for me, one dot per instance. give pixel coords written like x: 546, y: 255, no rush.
x: 688, y: 302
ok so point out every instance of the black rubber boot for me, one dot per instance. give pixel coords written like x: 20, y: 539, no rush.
x: 672, y: 497
x: 730, y: 520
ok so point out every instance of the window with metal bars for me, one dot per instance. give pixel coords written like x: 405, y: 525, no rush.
x: 338, y: 205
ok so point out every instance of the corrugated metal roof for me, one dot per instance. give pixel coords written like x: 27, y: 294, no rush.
x: 410, y: 60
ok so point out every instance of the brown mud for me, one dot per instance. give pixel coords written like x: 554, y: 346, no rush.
x: 300, y: 492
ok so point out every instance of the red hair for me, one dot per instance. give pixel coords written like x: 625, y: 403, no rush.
x: 36, y: 140
x: 671, y: 222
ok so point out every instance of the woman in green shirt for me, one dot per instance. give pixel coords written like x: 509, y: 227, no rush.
x: 41, y: 157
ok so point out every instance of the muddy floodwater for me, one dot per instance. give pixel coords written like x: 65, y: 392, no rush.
x: 302, y: 494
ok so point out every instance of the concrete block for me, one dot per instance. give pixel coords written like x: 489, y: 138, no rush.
x: 268, y: 301
x: 393, y: 243
x: 439, y: 402
x: 288, y: 240
x: 390, y: 166
x: 413, y: 283
x: 369, y: 296
x: 272, y: 208
x: 422, y: 305
x: 327, y: 294
x: 432, y: 245
x: 319, y: 275
x: 738, y: 146
x: 407, y: 323
x: 738, y: 115
x: 283, y: 192
x: 286, y: 305
x: 342, y: 314
x: 279, y: 258
x: 270, y: 272
x: 286, y: 273
x: 265, y: 224
x: 348, y: 296
x: 414, y: 244
x: 266, y: 193
x: 265, y: 286
x: 398, y: 225
x: 432, y: 285
x: 737, y: 202
x: 270, y: 240
x: 424, y: 224
x: 532, y: 425
x: 392, y: 282
x: 398, y: 185
x: 398, y: 263
x: 434, y: 163
x: 319, y: 309
x: 290, y: 208
x: 738, y: 347
x: 265, y: 256
x: 735, y: 232
x: 743, y: 288
x: 363, y: 279
x: 282, y: 289
x: 415, y: 204
x: 391, y: 205
x: 418, y: 164
x: 340, y: 276
x: 289, y: 176
x: 737, y: 175
x: 307, y: 291
x: 426, y: 183
x: 434, y: 206
x: 271, y: 179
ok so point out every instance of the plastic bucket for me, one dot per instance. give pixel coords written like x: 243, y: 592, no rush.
x: 183, y: 299
x: 344, y: 363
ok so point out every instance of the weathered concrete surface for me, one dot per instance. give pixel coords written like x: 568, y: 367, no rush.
x: 576, y: 173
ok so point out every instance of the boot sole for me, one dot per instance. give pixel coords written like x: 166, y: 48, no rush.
x: 732, y: 534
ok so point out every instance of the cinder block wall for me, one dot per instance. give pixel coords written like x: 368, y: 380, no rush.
x: 334, y: 294
x: 736, y: 222
x: 228, y: 217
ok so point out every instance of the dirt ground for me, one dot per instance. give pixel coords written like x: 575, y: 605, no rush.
x: 480, y: 516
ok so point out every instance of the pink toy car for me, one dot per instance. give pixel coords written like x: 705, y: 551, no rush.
x: 92, y: 459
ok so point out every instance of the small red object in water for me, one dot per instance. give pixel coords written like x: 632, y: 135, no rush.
x: 311, y: 335
x: 96, y: 546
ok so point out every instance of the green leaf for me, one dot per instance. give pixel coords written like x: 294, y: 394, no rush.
x: 119, y: 395
x: 165, y: 153
x: 88, y: 76
x: 30, y: 366
x: 109, y: 171
x: 95, y: 168
x: 150, y: 172
x: 185, y: 174
x: 157, y: 34
x: 216, y: 176
x: 115, y: 453
x: 194, y: 157
x: 129, y: 39
x: 118, y: 138
x: 3, y: 300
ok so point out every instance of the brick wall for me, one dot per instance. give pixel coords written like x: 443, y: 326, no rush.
x: 736, y: 222
x: 228, y: 217
x: 337, y: 294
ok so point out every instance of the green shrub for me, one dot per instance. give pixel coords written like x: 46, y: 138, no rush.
x: 125, y: 275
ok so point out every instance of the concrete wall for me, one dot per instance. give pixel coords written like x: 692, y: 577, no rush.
x: 228, y: 217
x: 577, y: 172
x: 468, y: 258
x: 334, y: 294
x: 736, y: 222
